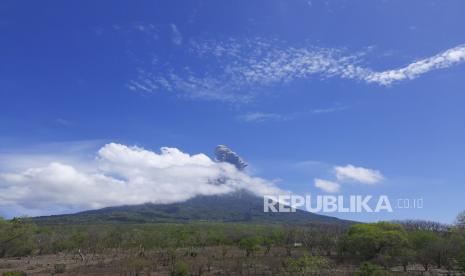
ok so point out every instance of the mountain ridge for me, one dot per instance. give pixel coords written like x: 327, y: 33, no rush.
x: 240, y: 206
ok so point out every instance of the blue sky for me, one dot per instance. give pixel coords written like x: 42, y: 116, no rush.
x: 297, y: 88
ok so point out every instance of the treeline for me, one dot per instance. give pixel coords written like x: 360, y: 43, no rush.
x: 372, y: 246
x: 389, y: 244
x: 18, y: 237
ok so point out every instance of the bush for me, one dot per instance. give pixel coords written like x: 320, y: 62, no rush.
x: 14, y: 273
x: 180, y: 269
x: 60, y: 268
x: 308, y: 265
x: 369, y: 269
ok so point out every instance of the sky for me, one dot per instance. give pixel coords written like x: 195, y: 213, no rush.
x: 122, y: 102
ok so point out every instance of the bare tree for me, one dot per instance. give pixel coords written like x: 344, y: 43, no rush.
x: 460, y: 220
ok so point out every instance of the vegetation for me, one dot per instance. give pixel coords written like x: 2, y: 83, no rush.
x: 369, y: 269
x: 237, y: 248
x: 308, y: 265
x: 241, y: 206
x: 17, y: 238
x: 14, y: 273
x: 379, y: 241
x: 60, y: 268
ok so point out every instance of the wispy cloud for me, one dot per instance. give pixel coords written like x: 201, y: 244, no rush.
x: 258, y: 117
x: 63, y: 122
x: 176, y: 35
x: 445, y: 59
x: 329, y: 109
x: 237, y: 70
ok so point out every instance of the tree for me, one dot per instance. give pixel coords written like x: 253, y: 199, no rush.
x: 460, y: 220
x: 250, y: 244
x: 452, y: 246
x: 425, y: 245
x: 383, y: 241
x: 17, y: 238
x: 406, y: 256
x: 275, y: 238
x: 434, y: 226
x: 461, y: 262
x: 289, y: 240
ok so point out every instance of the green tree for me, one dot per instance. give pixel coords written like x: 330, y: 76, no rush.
x: 383, y: 241
x: 454, y: 248
x: 274, y: 238
x: 17, y: 238
x: 461, y: 262
x: 425, y: 244
x: 250, y: 244
x: 406, y: 256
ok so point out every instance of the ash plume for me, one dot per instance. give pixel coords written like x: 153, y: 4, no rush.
x: 225, y: 154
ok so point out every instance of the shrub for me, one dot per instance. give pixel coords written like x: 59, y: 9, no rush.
x: 180, y: 269
x: 60, y: 268
x: 308, y: 265
x: 369, y: 269
x: 14, y: 273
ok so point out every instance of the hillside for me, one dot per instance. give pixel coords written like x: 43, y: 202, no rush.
x: 237, y: 207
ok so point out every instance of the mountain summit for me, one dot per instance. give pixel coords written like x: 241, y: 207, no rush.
x: 241, y: 205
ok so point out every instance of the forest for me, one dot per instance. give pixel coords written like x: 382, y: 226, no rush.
x: 214, y: 248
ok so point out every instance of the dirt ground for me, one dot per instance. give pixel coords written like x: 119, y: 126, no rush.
x: 212, y: 261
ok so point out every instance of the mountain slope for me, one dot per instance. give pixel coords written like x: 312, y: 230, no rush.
x: 236, y: 207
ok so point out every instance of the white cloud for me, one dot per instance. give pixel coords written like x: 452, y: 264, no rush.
x: 124, y: 175
x: 445, y: 59
x: 237, y: 70
x: 358, y: 174
x: 327, y: 186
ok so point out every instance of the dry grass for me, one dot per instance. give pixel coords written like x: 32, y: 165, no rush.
x: 197, y: 261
